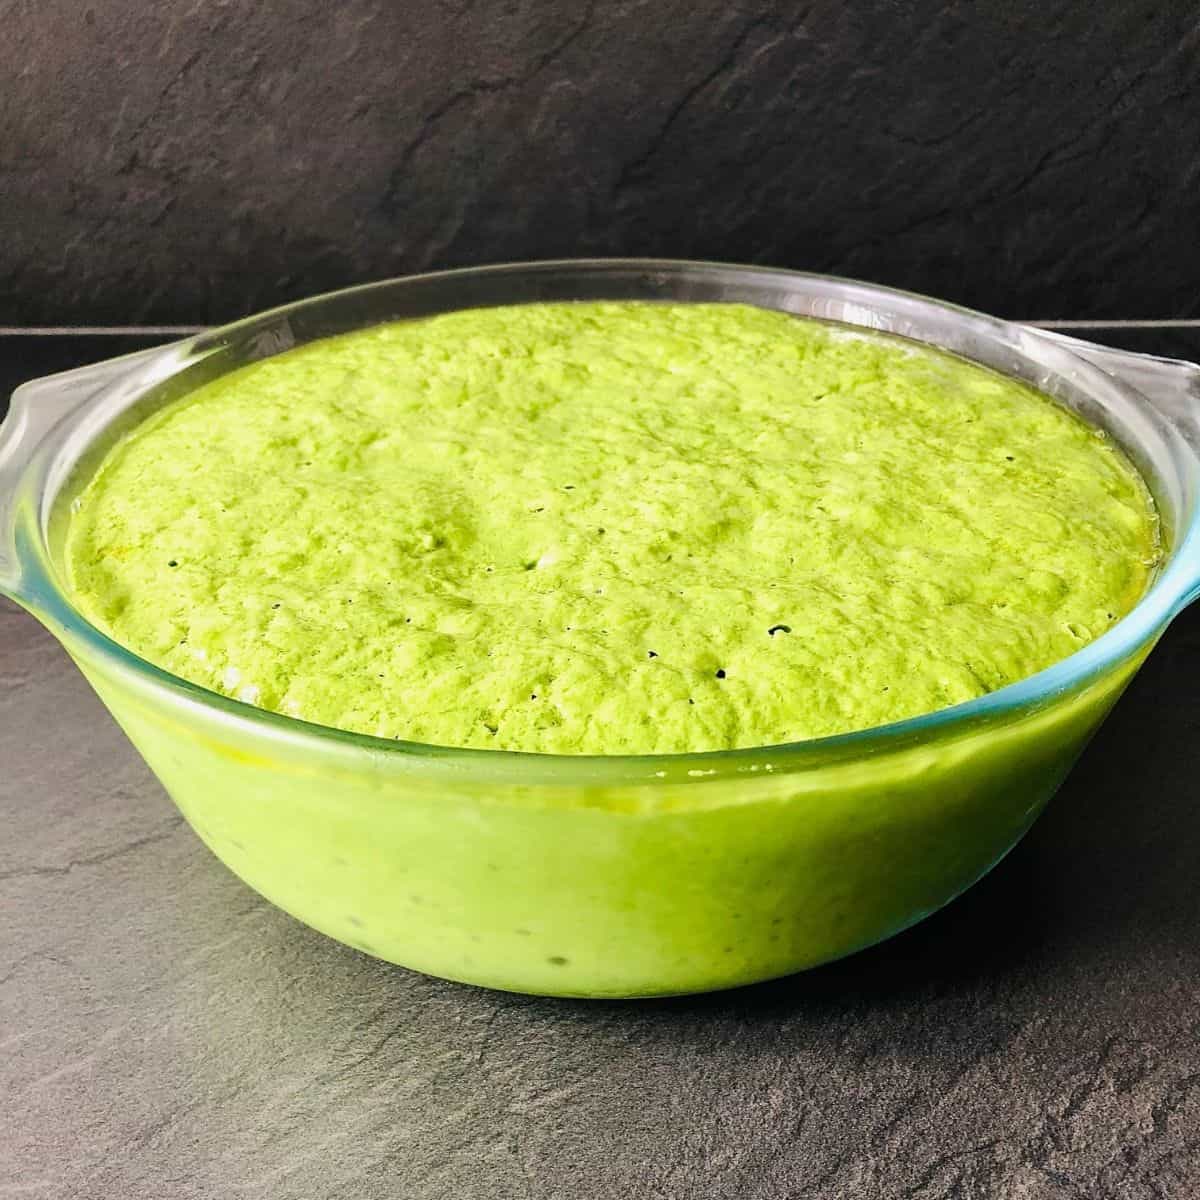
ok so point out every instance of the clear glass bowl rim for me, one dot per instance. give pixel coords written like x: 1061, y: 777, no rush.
x: 1174, y: 588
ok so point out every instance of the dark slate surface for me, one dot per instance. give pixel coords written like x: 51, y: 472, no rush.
x: 165, y: 1034
x: 190, y: 162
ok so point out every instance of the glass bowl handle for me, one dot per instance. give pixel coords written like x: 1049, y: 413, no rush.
x: 1170, y: 384
x: 37, y: 408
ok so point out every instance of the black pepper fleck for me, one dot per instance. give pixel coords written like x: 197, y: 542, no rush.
x: 779, y: 629
x: 720, y: 672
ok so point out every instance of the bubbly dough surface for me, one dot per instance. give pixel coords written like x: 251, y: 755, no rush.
x: 610, y: 528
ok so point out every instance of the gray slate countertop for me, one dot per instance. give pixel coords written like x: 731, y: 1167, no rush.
x: 165, y: 1034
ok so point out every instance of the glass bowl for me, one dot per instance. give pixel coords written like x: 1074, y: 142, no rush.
x: 604, y: 876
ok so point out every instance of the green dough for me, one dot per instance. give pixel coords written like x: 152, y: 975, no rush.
x: 610, y: 528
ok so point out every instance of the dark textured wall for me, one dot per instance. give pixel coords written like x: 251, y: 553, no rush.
x: 190, y: 160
